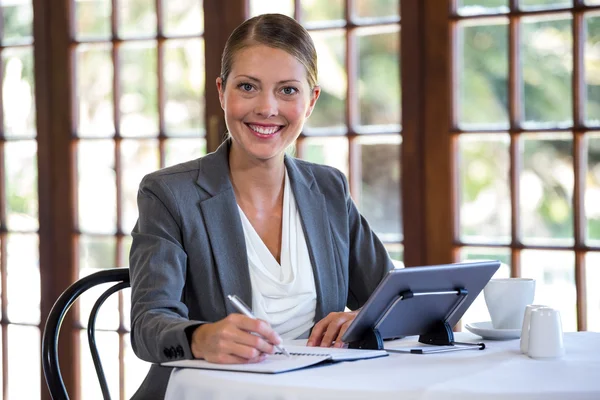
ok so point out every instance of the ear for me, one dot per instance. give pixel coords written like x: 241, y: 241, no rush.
x: 313, y: 100
x: 221, y: 89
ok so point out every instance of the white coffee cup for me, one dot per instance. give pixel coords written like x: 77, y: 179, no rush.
x: 545, y: 334
x: 526, y: 326
x: 506, y: 300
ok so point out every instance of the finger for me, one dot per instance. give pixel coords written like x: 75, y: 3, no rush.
x: 332, y: 332
x: 318, y: 331
x: 259, y: 327
x: 343, y: 329
x: 254, y: 341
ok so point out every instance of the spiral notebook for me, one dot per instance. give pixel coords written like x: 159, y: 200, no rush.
x: 301, y: 357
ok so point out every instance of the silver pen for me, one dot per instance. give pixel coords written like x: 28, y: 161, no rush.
x: 244, y: 309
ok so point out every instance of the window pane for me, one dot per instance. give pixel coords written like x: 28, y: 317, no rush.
x: 108, y: 315
x: 544, y: 4
x: 478, y: 311
x: 96, y: 185
x: 23, y: 377
x: 546, y: 186
x: 331, y: 107
x: 137, y: 18
x: 97, y: 252
x: 472, y: 7
x: 285, y: 7
x: 396, y: 252
x: 135, y: 369
x: 592, y: 190
x: 17, y: 21
x: 592, y: 68
x: 125, y: 248
x: 377, y: 8
x: 331, y: 151
x: 18, y: 92
x: 592, y: 2
x: 138, y: 157
x: 23, y: 270
x: 183, y: 17
x: 554, y: 274
x: 182, y: 150
x: 139, y: 85
x: 184, y: 87
x: 592, y: 277
x: 108, y: 348
x: 315, y: 11
x: 380, y: 199
x: 547, y: 59
x: 92, y: 19
x: 484, y: 74
x: 485, y: 209
x: 94, y: 69
x: 21, y: 185
x: 379, y: 76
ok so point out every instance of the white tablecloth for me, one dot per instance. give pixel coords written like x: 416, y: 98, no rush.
x: 498, y: 372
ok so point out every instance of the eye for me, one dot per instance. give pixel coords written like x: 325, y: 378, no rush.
x: 289, y: 90
x: 246, y: 87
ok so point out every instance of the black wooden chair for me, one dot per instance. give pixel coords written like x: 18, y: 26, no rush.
x: 50, y: 361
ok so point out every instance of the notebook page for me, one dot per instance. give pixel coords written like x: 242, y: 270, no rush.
x: 335, y: 354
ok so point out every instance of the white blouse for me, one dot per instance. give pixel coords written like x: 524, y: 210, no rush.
x: 283, y: 295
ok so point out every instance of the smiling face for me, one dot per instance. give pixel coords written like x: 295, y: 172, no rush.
x: 266, y: 100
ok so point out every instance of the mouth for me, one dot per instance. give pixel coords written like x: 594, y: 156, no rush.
x: 264, y: 130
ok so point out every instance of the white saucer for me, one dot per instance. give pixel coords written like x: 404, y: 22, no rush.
x: 486, y: 331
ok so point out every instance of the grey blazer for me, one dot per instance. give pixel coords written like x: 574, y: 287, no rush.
x: 189, y: 251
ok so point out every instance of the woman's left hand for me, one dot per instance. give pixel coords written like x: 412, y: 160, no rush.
x: 328, y: 332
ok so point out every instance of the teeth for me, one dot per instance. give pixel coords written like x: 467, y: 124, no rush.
x: 263, y: 130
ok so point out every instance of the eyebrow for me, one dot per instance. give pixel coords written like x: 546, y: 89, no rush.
x: 258, y: 80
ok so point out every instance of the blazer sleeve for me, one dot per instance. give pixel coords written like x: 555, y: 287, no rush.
x: 368, y: 261
x: 159, y: 319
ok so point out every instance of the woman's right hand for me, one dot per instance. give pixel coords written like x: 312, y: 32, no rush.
x: 231, y: 340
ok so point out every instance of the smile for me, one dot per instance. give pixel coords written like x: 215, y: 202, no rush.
x: 265, y: 130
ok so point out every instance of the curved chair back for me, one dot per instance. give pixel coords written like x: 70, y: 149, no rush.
x: 60, y: 308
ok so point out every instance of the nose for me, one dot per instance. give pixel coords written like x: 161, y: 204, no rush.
x: 266, y: 105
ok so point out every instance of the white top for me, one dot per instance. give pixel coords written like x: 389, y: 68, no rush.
x: 283, y: 295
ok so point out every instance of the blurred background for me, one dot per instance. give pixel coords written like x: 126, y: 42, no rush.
x: 468, y: 129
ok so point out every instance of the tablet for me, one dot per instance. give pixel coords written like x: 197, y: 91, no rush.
x: 414, y: 300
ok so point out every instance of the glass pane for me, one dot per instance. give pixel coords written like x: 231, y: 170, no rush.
x: 396, y: 252
x: 331, y: 107
x: 92, y: 19
x: 592, y: 2
x: 135, y: 369
x: 380, y: 200
x: 258, y: 7
x: 554, y: 274
x: 484, y: 192
x: 592, y: 68
x: 478, y: 311
x: 379, y: 76
x: 331, y: 151
x: 96, y: 185
x: 472, y: 7
x: 23, y: 356
x: 127, y: 308
x: 23, y: 270
x: 21, y: 185
x: 184, y: 87
x: 547, y: 59
x: 182, y: 150
x: 483, y: 78
x: 592, y: 277
x: 544, y: 4
x: 94, y: 69
x: 316, y: 11
x: 377, y: 8
x: 183, y: 17
x: 17, y: 21
x: 108, y: 315
x: 97, y: 252
x: 592, y: 190
x: 137, y: 18
x: 139, y: 85
x: 546, y: 185
x: 108, y: 347
x: 18, y: 92
x: 125, y: 248
x: 138, y: 157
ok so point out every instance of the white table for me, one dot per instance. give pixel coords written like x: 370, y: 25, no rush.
x: 498, y: 372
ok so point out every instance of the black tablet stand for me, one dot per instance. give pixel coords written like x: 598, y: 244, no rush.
x: 440, y: 333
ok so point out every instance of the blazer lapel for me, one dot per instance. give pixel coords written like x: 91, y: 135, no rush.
x: 313, y: 214
x: 224, y: 227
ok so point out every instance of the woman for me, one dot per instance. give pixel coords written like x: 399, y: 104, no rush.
x: 280, y: 233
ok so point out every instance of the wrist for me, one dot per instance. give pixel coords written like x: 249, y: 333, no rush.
x: 197, y: 340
